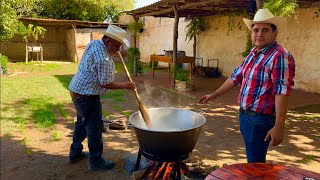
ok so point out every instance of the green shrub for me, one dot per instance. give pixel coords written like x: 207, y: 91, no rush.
x: 4, y: 61
x: 134, y: 52
x: 181, y: 74
x: 155, y: 63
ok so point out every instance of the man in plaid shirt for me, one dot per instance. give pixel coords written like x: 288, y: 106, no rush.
x: 266, y: 78
x: 95, y: 77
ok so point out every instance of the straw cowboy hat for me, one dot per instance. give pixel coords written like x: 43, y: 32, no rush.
x: 265, y: 16
x: 117, y: 34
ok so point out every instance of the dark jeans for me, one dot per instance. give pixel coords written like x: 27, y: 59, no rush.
x: 254, y: 129
x: 89, y: 123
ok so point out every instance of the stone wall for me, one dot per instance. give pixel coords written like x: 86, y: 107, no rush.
x: 225, y: 39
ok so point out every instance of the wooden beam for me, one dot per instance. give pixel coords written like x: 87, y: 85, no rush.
x: 175, y: 45
x: 157, y: 12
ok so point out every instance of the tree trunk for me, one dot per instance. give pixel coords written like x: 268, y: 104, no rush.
x: 195, y: 46
x: 175, y: 45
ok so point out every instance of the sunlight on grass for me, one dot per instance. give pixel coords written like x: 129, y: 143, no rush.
x: 62, y: 111
x: 127, y: 114
x: 116, y: 95
x: 34, y: 67
x: 308, y: 159
x: 56, y: 135
x: 34, y: 98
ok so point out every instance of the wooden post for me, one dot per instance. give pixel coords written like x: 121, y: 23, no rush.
x: 175, y: 45
x: 259, y: 4
x: 41, y: 53
x: 75, y: 41
x: 135, y: 73
x: 27, y: 53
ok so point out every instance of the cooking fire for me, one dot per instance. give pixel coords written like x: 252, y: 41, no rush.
x: 192, y: 168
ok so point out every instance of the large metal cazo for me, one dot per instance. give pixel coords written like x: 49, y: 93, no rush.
x: 174, y: 131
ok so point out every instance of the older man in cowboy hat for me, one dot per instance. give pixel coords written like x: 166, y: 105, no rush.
x: 94, y: 77
x: 266, y: 78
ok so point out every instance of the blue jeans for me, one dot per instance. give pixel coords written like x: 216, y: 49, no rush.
x: 254, y: 129
x: 89, y: 124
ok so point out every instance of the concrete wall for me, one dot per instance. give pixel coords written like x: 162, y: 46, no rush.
x: 225, y: 39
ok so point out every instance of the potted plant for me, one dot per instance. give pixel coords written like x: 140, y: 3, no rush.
x: 183, y: 83
x: 4, y: 64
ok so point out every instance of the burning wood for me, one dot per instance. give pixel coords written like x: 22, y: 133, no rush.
x: 159, y: 170
x: 192, y: 168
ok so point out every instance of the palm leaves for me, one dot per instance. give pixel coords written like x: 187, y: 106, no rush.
x: 194, y: 27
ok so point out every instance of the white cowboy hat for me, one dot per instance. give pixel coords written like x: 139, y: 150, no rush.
x: 265, y: 16
x: 117, y: 34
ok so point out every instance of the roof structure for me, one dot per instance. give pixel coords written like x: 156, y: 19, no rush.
x: 77, y: 23
x: 196, y: 8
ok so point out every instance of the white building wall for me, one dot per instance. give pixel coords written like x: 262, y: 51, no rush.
x: 226, y: 41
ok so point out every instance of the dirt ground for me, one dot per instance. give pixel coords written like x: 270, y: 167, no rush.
x: 220, y: 141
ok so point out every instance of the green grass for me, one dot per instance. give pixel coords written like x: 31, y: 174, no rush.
x: 116, y: 95
x: 127, y: 114
x: 308, y: 159
x: 31, y: 97
x: 40, y: 95
x: 56, y: 135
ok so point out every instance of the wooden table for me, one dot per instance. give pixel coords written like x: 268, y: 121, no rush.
x: 168, y: 59
x: 262, y: 171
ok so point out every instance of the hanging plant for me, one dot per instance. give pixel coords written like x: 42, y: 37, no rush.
x: 195, y: 26
x: 248, y: 45
x: 281, y: 7
x: 136, y: 27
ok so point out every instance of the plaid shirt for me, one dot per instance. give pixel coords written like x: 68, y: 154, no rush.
x: 262, y: 75
x: 95, y: 69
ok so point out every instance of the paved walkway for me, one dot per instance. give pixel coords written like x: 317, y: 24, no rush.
x: 204, y: 85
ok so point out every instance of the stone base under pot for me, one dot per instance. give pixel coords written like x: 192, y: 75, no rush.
x: 184, y: 86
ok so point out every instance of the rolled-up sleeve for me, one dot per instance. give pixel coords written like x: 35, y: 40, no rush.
x: 237, y: 75
x: 282, y: 75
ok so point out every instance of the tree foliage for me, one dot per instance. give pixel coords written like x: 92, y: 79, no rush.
x: 10, y: 11
x: 114, y: 7
x: 136, y: 27
x: 195, y: 26
x: 281, y: 7
x: 85, y: 10
x: 32, y: 31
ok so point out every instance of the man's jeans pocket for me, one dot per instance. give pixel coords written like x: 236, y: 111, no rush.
x: 255, y: 128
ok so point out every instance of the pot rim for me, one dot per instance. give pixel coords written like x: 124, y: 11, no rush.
x: 168, y: 131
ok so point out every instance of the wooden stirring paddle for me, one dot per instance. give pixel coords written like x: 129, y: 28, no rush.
x: 142, y: 107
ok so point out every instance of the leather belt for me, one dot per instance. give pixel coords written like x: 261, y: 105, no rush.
x: 253, y: 113
x: 76, y: 95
